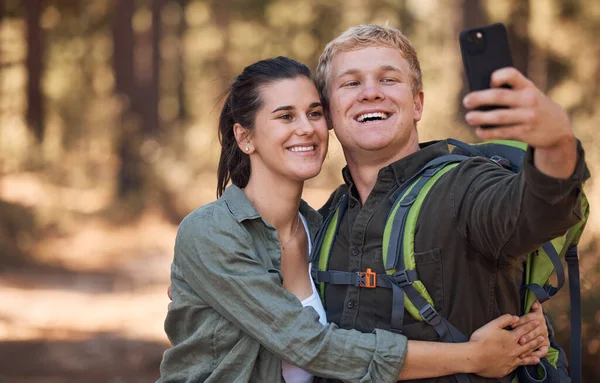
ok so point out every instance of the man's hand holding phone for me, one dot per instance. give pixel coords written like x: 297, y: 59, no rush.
x: 529, y: 116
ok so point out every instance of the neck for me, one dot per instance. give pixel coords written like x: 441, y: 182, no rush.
x: 277, y: 200
x: 364, y: 166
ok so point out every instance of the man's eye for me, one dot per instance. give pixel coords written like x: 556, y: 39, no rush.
x: 389, y: 80
x: 351, y: 83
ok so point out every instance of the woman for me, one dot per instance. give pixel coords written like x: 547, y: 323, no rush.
x: 241, y: 277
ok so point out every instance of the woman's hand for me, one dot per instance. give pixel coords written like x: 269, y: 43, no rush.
x: 536, y: 314
x: 497, y: 352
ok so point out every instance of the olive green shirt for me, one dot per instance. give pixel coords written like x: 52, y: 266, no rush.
x: 232, y: 321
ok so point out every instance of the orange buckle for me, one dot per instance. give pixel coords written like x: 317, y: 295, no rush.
x: 367, y: 279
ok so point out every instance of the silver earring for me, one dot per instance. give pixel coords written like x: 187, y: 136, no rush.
x: 247, y: 148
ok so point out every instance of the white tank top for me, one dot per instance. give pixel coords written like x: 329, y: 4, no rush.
x: 291, y: 373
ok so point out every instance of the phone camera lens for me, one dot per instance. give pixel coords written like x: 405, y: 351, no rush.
x: 475, y: 38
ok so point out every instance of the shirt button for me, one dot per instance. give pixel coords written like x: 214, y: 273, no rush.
x: 351, y: 304
x: 401, y: 180
x: 352, y: 204
x: 356, y: 251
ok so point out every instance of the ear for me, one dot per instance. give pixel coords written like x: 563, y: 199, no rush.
x: 242, y: 136
x: 418, y: 101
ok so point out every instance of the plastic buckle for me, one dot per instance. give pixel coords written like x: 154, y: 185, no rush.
x: 430, y: 172
x: 367, y: 279
x: 401, y: 278
x: 571, y: 256
x: 429, y: 315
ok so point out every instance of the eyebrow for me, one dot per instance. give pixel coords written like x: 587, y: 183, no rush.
x: 383, y: 68
x: 290, y: 107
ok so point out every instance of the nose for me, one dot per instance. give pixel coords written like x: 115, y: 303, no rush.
x: 371, y: 91
x: 305, y: 127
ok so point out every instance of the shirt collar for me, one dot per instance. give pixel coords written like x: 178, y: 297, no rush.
x: 242, y: 209
x: 406, y: 167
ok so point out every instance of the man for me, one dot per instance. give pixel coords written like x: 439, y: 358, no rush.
x: 478, y: 220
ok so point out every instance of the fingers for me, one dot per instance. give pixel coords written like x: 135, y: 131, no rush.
x: 525, y: 328
x: 170, y: 295
x: 504, y: 321
x: 493, y: 96
x: 533, y: 345
x: 507, y: 118
x: 535, y: 313
x: 540, y: 352
x: 509, y: 76
x: 529, y: 361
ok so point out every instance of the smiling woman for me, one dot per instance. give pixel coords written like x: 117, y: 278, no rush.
x: 244, y: 307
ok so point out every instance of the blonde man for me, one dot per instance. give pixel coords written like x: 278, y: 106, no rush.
x: 478, y: 220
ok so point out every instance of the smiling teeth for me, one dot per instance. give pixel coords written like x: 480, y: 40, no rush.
x: 381, y: 115
x: 302, y: 148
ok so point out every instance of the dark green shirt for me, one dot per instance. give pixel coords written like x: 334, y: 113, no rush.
x: 232, y: 321
x: 476, y: 226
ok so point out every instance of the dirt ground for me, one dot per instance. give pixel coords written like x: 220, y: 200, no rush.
x: 93, y: 311
x: 82, y: 297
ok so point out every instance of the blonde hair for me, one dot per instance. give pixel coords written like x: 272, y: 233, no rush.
x: 365, y: 36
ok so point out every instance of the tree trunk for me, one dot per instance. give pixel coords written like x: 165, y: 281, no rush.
x: 473, y: 14
x: 35, y: 107
x: 130, y: 177
x: 181, y: 63
x: 518, y: 36
x: 221, y: 9
x: 150, y: 112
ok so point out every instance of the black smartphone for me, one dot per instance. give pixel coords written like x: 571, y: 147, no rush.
x: 484, y: 50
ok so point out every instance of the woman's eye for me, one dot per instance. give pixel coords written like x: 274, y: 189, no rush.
x: 351, y: 83
x: 389, y: 80
x: 285, y: 117
x: 315, y: 114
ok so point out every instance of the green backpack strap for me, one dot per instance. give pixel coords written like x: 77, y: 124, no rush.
x: 324, y: 243
x: 398, y: 253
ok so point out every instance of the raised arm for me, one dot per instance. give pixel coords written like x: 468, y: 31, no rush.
x: 506, y: 215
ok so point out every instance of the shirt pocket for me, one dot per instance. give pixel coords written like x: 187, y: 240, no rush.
x: 430, y: 272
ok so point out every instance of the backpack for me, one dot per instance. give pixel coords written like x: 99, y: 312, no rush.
x: 409, y: 293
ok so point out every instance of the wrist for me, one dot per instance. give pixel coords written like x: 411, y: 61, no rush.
x: 468, y: 358
x: 559, y: 160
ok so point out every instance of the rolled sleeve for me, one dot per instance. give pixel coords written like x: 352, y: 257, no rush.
x: 388, y: 359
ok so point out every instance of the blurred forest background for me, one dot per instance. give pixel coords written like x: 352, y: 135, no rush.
x: 108, y: 138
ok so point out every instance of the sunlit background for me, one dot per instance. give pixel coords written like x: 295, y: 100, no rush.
x: 108, y: 139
